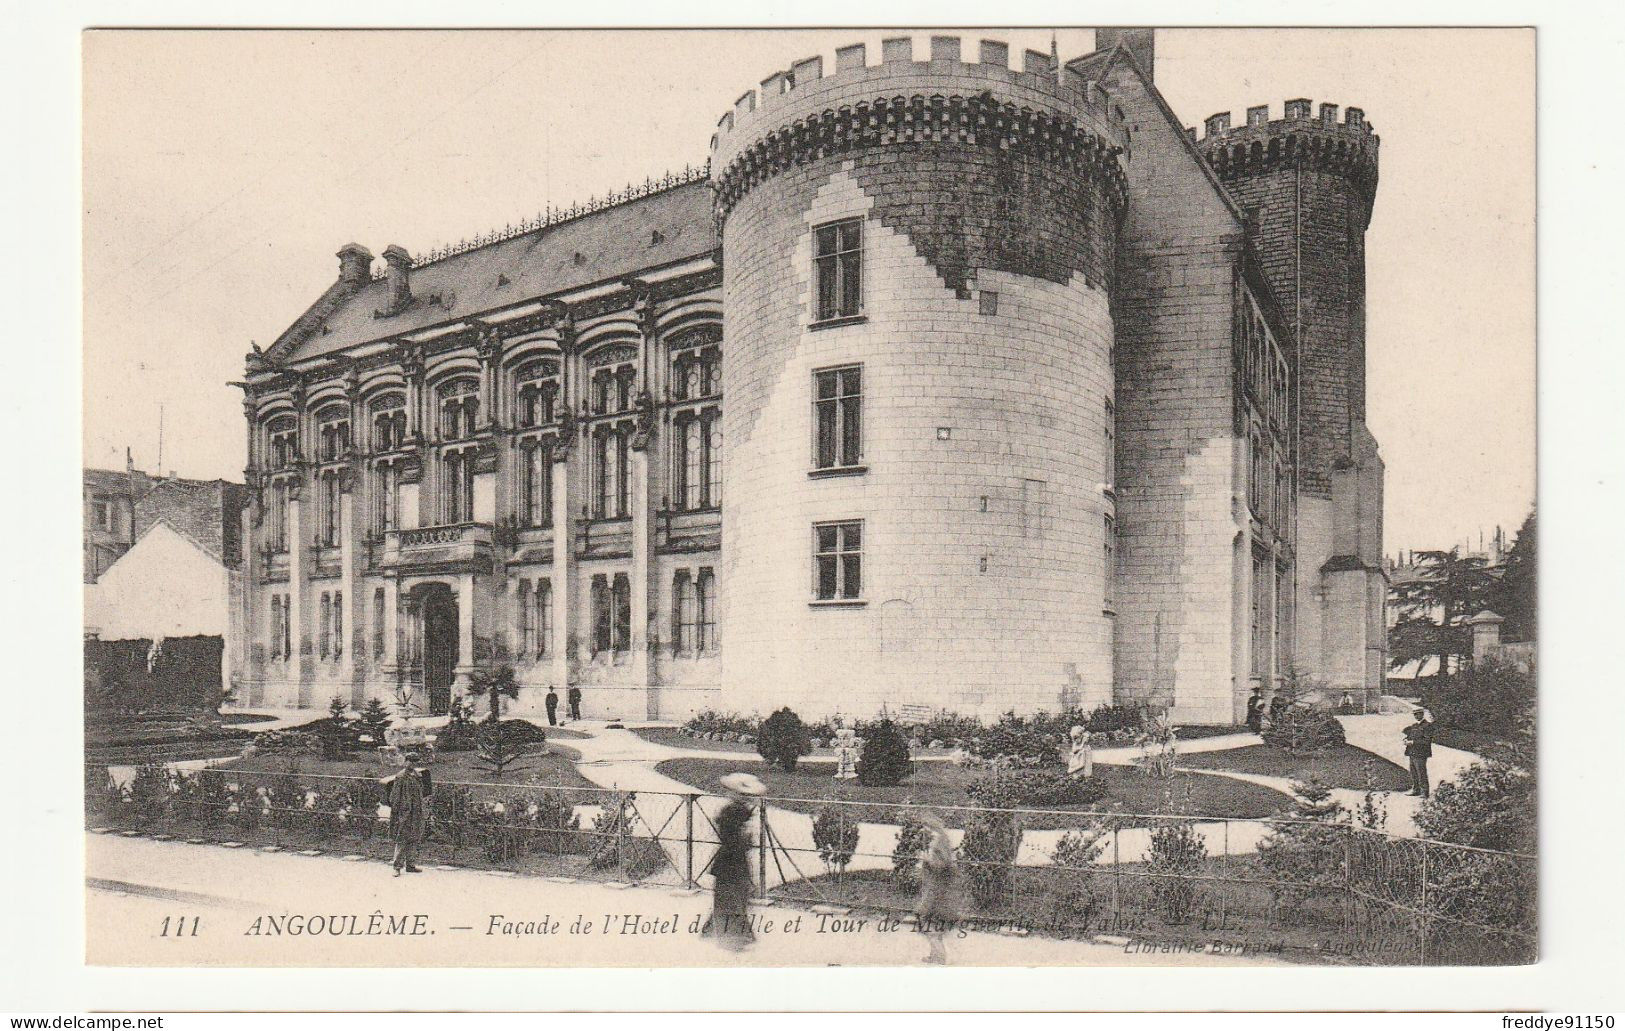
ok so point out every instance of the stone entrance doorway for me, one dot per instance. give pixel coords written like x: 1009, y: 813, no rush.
x: 440, y: 646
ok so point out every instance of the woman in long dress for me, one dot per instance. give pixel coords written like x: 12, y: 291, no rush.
x: 938, y: 908
x: 729, y: 923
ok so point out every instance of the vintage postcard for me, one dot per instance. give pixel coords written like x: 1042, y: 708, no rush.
x: 804, y: 498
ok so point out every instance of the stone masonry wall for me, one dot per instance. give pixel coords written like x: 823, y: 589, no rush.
x: 974, y: 598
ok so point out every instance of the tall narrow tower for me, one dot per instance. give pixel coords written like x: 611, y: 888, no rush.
x: 1307, y: 183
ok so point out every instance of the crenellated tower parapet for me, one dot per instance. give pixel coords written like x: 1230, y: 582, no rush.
x: 1300, y: 140
x: 801, y: 114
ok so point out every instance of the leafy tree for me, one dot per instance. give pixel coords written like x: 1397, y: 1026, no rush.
x: 500, y: 744
x: 912, y: 838
x: 783, y: 739
x: 1443, y: 590
x: 835, y: 835
x: 1515, y: 597
x: 1307, y: 848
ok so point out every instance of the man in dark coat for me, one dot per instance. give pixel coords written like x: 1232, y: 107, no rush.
x: 406, y: 794
x: 575, y: 702
x: 1255, y: 711
x: 1418, y: 748
x: 552, y: 706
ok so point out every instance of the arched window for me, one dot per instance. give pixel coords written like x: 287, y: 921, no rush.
x: 388, y: 422
x: 282, y: 442
x: 332, y: 433
x: 613, y: 379
x: 459, y: 408
x: 696, y: 364
x: 538, y: 394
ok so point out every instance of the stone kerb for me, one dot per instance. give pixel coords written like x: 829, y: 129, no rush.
x: 804, y: 90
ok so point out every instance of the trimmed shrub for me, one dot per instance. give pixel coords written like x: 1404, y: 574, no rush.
x: 1177, y: 854
x: 1108, y: 719
x: 1021, y: 740
x: 1010, y: 788
x: 375, y: 720
x: 783, y: 740
x: 710, y: 725
x: 149, y: 793
x: 1304, y: 728
x: 286, y: 797
x: 105, y: 798
x: 835, y: 835
x: 1069, y: 896
x: 884, y: 760
x: 1489, y: 805
x: 988, y: 851
x: 912, y: 838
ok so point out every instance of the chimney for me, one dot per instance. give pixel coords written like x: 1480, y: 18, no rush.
x: 355, y: 264
x: 399, y: 274
x: 1141, y: 43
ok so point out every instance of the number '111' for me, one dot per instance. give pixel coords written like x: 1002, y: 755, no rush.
x: 181, y: 927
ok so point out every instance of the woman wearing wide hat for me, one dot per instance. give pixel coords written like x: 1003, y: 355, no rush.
x: 730, y: 867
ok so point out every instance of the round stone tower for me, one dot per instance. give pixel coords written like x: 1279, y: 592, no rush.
x: 1306, y: 183
x: 918, y: 259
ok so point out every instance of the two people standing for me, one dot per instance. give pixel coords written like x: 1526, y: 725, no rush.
x: 574, y: 698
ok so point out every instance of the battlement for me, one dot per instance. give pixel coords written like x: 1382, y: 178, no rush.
x: 1301, y: 137
x: 1037, y: 82
x: 800, y: 113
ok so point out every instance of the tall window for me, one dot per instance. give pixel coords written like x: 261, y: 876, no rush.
x: 696, y: 366
x: 1283, y: 620
x: 326, y: 623
x: 1263, y: 593
x: 536, y: 484
x: 538, y: 393
x: 600, y: 616
x: 542, y: 599
x: 330, y: 515
x: 1255, y: 466
x: 388, y: 422
x: 1111, y: 445
x: 622, y: 592
x: 276, y: 628
x: 277, y: 533
x: 838, y: 268
x: 685, y: 609
x: 707, y: 616
x: 282, y: 441
x: 378, y: 623
x: 333, y: 433
x: 386, y: 500
x: 614, y: 388
x: 338, y: 624
x: 459, y: 409
x: 457, y: 487
x: 698, y: 463
x: 838, y: 560
x: 527, y: 621
x: 287, y: 627
x: 838, y: 414
x: 1109, y: 564
x: 610, y: 461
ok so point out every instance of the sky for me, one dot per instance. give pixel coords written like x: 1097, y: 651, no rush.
x: 222, y: 170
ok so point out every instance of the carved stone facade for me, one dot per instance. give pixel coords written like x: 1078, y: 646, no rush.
x: 1005, y: 402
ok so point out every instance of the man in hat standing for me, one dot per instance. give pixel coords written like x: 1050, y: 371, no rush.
x: 1419, y: 749
x: 552, y: 706
x: 406, y: 794
x: 574, y: 696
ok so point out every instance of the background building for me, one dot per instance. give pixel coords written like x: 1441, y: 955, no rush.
x: 1001, y: 369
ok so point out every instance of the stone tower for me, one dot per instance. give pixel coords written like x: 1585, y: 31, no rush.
x: 918, y: 259
x: 1306, y: 183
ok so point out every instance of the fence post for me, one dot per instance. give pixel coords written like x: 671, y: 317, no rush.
x: 1348, y: 886
x: 1117, y: 878
x: 623, y: 807
x: 761, y: 844
x: 1424, y: 949
x: 688, y: 839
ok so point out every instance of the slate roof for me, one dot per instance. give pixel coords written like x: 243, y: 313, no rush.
x: 615, y: 241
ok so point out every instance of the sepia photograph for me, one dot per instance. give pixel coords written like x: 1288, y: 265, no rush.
x: 831, y: 497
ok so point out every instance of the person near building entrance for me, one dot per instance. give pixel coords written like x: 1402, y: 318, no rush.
x: 1419, y: 748
x: 575, y: 702
x: 406, y: 793
x: 552, y: 706
x: 1255, y: 710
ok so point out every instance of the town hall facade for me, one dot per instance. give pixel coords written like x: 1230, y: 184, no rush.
x: 943, y: 384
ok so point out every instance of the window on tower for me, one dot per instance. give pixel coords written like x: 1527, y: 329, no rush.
x: 838, y: 417
x: 838, y: 561
x: 838, y: 268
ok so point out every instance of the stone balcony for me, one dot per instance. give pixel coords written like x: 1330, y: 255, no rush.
x: 454, y: 548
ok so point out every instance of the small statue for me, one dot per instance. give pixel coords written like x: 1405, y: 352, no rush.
x: 846, y: 752
x: 1080, y: 760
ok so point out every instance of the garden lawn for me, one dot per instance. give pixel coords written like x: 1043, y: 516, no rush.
x: 943, y: 784
x: 1486, y: 745
x: 554, y: 768
x: 1341, y: 766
